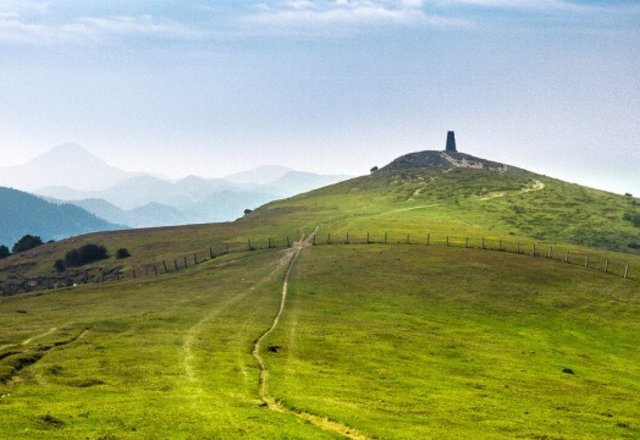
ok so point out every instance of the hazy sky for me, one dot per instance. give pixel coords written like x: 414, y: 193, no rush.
x: 334, y: 86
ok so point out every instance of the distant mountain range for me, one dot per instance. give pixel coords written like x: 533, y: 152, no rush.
x: 66, y: 165
x: 23, y: 213
x: 70, y: 174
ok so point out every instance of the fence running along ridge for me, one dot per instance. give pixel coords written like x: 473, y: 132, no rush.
x: 71, y: 278
x: 592, y: 261
x: 569, y: 255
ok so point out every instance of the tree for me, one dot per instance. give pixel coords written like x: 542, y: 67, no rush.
x: 59, y: 266
x: 4, y: 252
x: 25, y: 243
x: 374, y: 169
x: 248, y: 211
x: 86, y: 254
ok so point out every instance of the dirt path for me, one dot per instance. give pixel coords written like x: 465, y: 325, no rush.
x: 263, y: 384
x: 31, y: 339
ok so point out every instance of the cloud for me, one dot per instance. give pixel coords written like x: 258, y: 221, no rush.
x: 544, y: 5
x: 313, y: 13
x: 14, y: 29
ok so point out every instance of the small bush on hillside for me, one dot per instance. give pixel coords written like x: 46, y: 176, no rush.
x: 374, y: 169
x: 86, y: 254
x: 59, y: 266
x: 25, y: 243
x: 633, y: 217
x: 4, y: 252
x: 122, y: 253
x: 634, y: 245
x: 248, y: 211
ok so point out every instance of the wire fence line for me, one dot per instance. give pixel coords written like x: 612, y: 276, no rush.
x: 591, y: 261
x: 71, y: 278
x: 539, y: 249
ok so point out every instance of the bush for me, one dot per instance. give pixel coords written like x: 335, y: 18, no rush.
x: 634, y: 245
x: 374, y: 169
x: 633, y: 217
x: 25, y: 243
x: 59, y: 266
x: 248, y: 211
x: 4, y: 252
x: 122, y: 253
x: 86, y: 254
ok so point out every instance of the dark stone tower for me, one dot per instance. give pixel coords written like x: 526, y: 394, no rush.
x: 451, y: 142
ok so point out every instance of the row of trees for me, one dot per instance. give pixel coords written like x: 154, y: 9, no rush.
x: 24, y: 244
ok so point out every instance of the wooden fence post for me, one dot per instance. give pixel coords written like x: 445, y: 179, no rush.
x: 483, y: 245
x: 269, y: 242
x: 367, y: 238
x: 606, y: 265
x: 328, y: 238
x: 195, y: 258
x: 211, y: 254
x: 518, y: 247
x: 534, y: 249
x: 175, y: 264
x: 347, y: 238
x: 386, y: 236
x: 429, y: 239
x: 466, y: 242
x: 249, y: 244
x: 186, y: 263
x: 164, y: 265
x: 314, y: 239
x: 134, y: 274
x: 626, y: 271
x: 226, y: 245
x: 146, y: 269
x: 586, y: 261
x: 408, y: 239
x: 155, y: 269
x: 500, y: 248
x: 447, y: 240
x: 566, y: 257
x: 550, y: 253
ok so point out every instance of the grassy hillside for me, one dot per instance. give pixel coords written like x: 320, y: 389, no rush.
x: 380, y: 341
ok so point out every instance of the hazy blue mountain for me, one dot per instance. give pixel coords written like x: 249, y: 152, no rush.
x: 227, y: 205
x: 66, y: 165
x: 296, y: 182
x: 149, y: 215
x: 262, y: 175
x: 23, y: 213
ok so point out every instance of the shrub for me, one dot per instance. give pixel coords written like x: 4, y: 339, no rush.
x: 633, y: 217
x: 59, y: 266
x: 122, y: 253
x: 4, y: 252
x: 86, y: 254
x: 374, y: 169
x: 25, y: 243
x: 248, y: 211
x: 634, y: 245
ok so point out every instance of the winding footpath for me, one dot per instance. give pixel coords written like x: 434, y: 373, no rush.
x: 263, y: 384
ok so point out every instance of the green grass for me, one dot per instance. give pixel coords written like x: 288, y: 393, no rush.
x: 408, y: 342
x: 395, y: 341
x: 167, y: 359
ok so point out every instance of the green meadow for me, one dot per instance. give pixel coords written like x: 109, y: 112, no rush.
x: 401, y: 340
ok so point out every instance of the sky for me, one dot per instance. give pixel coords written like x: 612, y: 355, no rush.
x: 208, y: 88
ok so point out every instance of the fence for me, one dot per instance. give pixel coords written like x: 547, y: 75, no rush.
x: 566, y: 254
x: 178, y: 262
x: 593, y: 261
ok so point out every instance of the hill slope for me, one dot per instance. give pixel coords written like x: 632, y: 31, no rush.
x: 23, y: 213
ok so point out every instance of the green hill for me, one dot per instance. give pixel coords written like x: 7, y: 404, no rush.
x: 23, y: 213
x: 369, y: 341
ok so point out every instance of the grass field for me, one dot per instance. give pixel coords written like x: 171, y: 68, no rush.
x: 389, y: 341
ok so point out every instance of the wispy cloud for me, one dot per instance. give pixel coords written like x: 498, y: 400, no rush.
x: 15, y: 29
x: 545, y: 5
x: 310, y: 13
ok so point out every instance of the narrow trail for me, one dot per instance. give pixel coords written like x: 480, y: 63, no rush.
x: 263, y: 384
x: 29, y: 340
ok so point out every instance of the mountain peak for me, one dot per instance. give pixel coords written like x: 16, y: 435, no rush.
x: 441, y: 159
